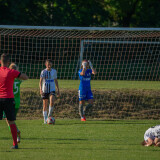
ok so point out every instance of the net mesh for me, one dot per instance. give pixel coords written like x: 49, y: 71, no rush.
x: 127, y: 63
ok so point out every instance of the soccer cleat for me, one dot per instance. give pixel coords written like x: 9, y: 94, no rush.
x: 14, y: 147
x: 18, y: 137
x: 83, y: 119
x: 45, y: 121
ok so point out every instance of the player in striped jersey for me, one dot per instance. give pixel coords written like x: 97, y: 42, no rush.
x: 152, y: 136
x: 48, y: 80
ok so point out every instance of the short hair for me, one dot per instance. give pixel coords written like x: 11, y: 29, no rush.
x: 143, y: 143
x: 48, y: 60
x: 5, y: 58
x: 13, y: 66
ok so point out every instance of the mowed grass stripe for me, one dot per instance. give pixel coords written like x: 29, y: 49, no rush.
x: 97, y: 84
x: 76, y: 140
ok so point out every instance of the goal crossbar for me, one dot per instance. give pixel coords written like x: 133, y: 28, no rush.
x: 110, y: 42
x: 78, y: 28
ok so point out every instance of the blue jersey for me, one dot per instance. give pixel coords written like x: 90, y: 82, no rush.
x: 85, y: 80
x: 85, y: 92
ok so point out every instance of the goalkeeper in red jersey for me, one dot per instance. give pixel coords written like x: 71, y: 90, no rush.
x: 85, y: 92
x: 7, y: 103
x: 16, y: 92
x: 48, y: 81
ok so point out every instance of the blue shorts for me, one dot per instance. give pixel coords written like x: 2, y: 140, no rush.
x: 85, y: 94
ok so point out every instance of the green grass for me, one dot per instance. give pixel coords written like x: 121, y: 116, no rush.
x: 75, y: 140
x: 97, y: 84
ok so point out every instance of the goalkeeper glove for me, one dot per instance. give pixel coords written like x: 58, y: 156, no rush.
x: 90, y: 64
x: 84, y: 64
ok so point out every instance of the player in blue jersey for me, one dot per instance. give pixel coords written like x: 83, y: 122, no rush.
x: 85, y: 93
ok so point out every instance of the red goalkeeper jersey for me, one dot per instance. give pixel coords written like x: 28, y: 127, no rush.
x: 7, y: 77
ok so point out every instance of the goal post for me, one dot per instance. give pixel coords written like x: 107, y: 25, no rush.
x: 127, y: 61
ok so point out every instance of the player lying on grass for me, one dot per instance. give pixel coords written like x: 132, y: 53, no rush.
x: 85, y: 93
x: 48, y: 80
x: 152, y: 136
x: 16, y: 92
x: 7, y: 103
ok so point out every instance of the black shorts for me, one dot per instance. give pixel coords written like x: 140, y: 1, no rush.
x: 8, y: 106
x: 46, y: 95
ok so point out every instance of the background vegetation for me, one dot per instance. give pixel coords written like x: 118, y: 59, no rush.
x: 123, y: 13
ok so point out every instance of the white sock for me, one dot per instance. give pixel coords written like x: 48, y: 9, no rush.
x: 50, y: 111
x: 45, y: 116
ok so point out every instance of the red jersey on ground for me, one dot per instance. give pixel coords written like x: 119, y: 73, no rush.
x: 7, y: 77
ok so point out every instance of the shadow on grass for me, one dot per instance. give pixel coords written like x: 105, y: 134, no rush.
x: 21, y: 148
x: 58, y: 139
x: 94, y: 122
x: 111, y: 141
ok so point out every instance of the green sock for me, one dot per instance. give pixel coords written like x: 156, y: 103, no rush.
x: 9, y: 128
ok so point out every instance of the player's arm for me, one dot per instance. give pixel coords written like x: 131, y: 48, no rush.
x: 150, y: 142
x: 17, y: 74
x: 56, y: 82
x: 157, y: 142
x: 23, y: 76
x: 83, y: 72
x: 84, y: 64
x: 93, y: 69
x: 40, y: 85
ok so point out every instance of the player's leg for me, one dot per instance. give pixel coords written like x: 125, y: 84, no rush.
x: 4, y: 117
x: 9, y: 110
x: 14, y: 134
x: 81, y: 104
x: 89, y: 106
x: 45, y: 104
x: 82, y: 98
x: 18, y: 131
x: 51, y: 104
x: 90, y: 102
x: 45, y: 97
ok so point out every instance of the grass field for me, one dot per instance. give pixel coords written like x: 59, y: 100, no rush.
x: 75, y: 140
x: 90, y: 140
x: 97, y: 84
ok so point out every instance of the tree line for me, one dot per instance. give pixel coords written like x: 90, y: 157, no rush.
x: 104, y: 13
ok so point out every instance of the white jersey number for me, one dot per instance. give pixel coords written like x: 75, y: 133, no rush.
x: 16, y: 87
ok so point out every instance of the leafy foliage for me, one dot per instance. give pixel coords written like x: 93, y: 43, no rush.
x: 125, y: 13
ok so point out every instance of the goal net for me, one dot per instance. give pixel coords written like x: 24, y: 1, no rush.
x: 127, y: 62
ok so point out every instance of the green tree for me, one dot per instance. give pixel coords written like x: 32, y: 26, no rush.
x: 124, y: 13
x: 134, y: 13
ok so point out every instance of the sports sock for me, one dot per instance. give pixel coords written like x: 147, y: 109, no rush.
x: 14, y: 133
x: 17, y: 128
x: 87, y: 108
x: 9, y: 128
x: 50, y: 111
x: 45, y: 116
x: 81, y: 110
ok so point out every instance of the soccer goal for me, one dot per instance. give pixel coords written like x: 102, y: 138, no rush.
x: 127, y: 61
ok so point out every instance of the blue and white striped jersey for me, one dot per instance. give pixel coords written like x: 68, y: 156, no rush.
x: 48, y: 77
